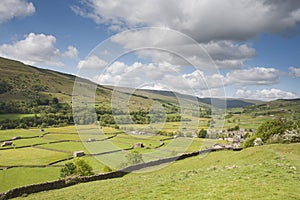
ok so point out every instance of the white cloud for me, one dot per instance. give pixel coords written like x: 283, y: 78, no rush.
x: 36, y: 49
x: 173, y: 47
x: 204, y: 20
x: 295, y: 72
x: 71, y: 52
x: 265, y: 94
x: 253, y: 76
x: 158, y: 76
x: 15, y: 8
x: 92, y: 62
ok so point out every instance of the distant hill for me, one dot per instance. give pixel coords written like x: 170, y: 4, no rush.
x: 285, y: 108
x: 230, y: 103
x: 24, y: 82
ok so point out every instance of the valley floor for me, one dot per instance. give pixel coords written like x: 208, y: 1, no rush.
x: 265, y: 172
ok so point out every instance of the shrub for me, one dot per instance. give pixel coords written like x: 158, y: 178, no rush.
x: 106, y: 169
x: 68, y: 169
x: 249, y: 142
x: 202, y: 133
x: 82, y: 167
x: 79, y: 167
x: 269, y: 128
x: 132, y: 158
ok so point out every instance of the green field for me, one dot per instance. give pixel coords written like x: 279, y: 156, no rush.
x: 24, y: 176
x: 29, y: 156
x: 266, y: 172
x: 37, y: 149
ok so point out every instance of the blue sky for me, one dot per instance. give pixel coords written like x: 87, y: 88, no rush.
x: 254, y: 46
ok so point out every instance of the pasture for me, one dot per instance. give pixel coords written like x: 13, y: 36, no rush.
x: 36, y: 151
x: 266, y: 172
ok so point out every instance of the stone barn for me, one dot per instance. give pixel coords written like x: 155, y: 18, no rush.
x: 78, y: 154
x: 16, y: 138
x: 138, y: 145
x: 91, y: 140
x: 7, y: 143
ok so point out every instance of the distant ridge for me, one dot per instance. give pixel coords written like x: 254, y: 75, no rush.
x: 24, y: 82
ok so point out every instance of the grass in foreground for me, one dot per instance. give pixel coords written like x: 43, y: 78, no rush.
x: 26, y: 176
x: 266, y: 172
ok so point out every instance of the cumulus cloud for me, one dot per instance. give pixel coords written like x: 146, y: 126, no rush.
x: 36, y: 49
x: 71, y: 52
x: 92, y: 62
x: 204, y: 20
x: 175, y: 48
x: 15, y: 8
x: 159, y: 76
x: 295, y: 72
x: 253, y: 76
x: 219, y: 26
x: 265, y: 94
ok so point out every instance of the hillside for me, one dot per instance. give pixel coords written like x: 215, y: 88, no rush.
x: 23, y: 82
x: 44, y: 97
x: 286, y: 108
x: 266, y: 172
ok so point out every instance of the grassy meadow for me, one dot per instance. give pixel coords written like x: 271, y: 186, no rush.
x: 36, y: 150
x: 265, y: 172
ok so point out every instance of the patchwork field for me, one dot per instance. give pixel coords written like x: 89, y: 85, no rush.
x: 266, y: 172
x: 43, y: 153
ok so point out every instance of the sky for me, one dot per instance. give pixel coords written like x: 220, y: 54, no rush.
x: 208, y: 48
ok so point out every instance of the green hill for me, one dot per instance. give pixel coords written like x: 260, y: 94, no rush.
x: 284, y: 108
x: 23, y: 82
x: 44, y: 97
x: 265, y: 172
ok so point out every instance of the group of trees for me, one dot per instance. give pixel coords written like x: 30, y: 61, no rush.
x: 235, y: 128
x: 276, y: 131
x: 79, y: 167
x: 138, y: 117
x: 47, y: 113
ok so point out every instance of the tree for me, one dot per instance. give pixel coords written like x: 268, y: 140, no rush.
x: 83, y: 168
x: 249, y: 142
x: 273, y: 127
x: 78, y: 167
x: 68, y: 169
x: 202, y: 133
x: 134, y: 158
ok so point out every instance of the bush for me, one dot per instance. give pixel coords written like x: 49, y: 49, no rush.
x: 79, y: 167
x: 273, y: 127
x: 202, y: 133
x: 134, y: 158
x: 68, y: 169
x: 249, y: 142
x: 106, y: 169
x: 83, y: 168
